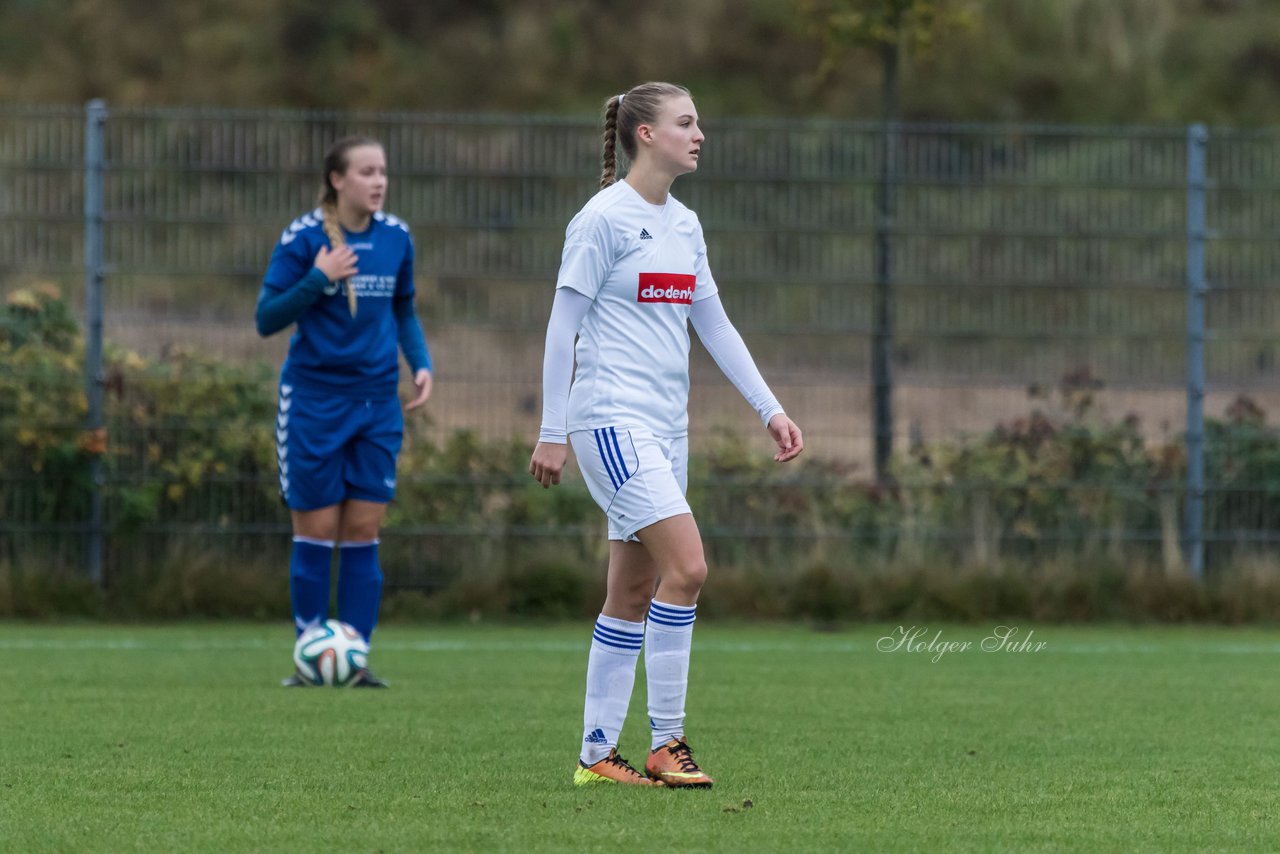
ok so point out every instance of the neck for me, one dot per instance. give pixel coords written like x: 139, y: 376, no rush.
x: 652, y: 184
x: 353, y: 220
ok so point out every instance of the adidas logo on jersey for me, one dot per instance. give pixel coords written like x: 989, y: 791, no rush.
x: 644, y: 235
x: 667, y: 287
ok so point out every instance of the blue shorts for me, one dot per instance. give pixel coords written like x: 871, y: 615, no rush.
x: 332, y: 448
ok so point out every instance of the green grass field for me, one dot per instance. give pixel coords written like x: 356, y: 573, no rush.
x: 128, y: 738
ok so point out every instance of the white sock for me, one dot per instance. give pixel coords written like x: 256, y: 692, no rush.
x: 611, y: 674
x: 668, y: 637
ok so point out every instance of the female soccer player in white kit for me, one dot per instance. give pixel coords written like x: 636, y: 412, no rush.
x: 632, y: 276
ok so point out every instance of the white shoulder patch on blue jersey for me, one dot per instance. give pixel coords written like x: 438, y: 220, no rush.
x: 307, y: 220
x: 392, y: 220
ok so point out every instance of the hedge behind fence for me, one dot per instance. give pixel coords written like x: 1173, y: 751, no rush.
x: 1060, y: 513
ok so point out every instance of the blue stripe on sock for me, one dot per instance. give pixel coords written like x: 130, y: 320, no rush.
x: 619, y: 635
x: 615, y: 644
x: 674, y: 616
x: 670, y: 619
x: 673, y: 610
x: 653, y: 618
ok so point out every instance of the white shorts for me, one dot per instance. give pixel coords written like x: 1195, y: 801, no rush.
x: 635, y: 477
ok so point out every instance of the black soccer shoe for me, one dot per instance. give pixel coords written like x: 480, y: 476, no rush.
x: 366, y: 679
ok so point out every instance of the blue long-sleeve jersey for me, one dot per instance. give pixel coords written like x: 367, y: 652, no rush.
x: 332, y: 351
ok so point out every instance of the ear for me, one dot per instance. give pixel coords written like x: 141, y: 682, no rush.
x: 644, y: 133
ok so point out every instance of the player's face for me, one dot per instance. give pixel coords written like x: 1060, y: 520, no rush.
x: 363, y: 187
x: 677, y: 140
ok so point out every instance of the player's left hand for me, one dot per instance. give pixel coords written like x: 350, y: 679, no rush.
x: 422, y: 379
x: 785, y: 432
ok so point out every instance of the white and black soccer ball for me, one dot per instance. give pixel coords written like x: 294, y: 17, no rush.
x: 331, y: 653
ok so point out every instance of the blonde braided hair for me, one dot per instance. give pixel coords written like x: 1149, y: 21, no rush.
x: 609, y: 174
x: 337, y: 240
x: 336, y: 160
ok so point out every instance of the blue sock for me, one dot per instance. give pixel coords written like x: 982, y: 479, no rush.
x: 359, y: 586
x: 309, y: 581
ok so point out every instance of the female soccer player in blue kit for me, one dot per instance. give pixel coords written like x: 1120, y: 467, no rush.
x: 633, y: 275
x: 344, y: 274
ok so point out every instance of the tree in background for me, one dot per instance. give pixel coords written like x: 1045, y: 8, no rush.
x: 1119, y: 61
x: 887, y: 28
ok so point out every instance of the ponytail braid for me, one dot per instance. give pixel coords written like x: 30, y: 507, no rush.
x: 609, y: 174
x: 336, y: 161
x: 332, y: 230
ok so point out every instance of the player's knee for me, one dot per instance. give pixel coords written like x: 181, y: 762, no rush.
x: 691, y: 574
x: 640, y: 601
x: 319, y: 530
x: 359, y: 532
x: 629, y: 601
x: 635, y: 602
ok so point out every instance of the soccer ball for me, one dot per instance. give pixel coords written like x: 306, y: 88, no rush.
x: 331, y: 653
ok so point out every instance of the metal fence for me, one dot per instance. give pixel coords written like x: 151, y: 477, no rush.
x: 1020, y: 255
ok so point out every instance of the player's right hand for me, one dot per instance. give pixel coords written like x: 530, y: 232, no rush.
x: 338, y: 264
x: 547, y: 462
x: 786, y: 434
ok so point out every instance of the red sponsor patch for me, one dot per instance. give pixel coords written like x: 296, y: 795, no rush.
x: 666, y: 287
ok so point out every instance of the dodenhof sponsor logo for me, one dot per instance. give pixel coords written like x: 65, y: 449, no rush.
x: 667, y: 287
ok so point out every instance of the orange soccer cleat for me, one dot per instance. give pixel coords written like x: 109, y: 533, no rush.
x: 673, y: 765
x: 612, y: 769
